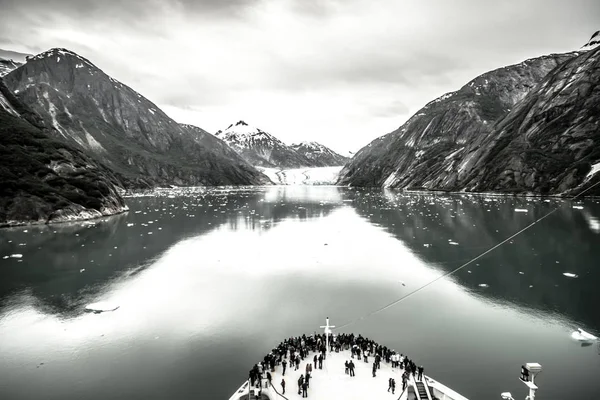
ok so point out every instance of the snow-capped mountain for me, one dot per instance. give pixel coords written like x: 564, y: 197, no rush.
x: 118, y: 126
x: 261, y: 148
x: 319, y: 154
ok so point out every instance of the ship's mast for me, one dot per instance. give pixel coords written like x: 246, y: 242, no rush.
x: 327, y: 329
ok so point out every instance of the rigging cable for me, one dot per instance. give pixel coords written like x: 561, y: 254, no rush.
x: 393, y: 303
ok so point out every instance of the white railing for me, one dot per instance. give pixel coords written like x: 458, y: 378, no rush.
x: 443, y: 392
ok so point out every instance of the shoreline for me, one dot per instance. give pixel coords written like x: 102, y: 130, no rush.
x: 19, y: 224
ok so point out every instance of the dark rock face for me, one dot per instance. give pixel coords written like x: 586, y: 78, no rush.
x: 550, y: 141
x: 116, y: 125
x: 44, y: 180
x: 443, y: 145
x: 260, y: 148
x: 319, y: 155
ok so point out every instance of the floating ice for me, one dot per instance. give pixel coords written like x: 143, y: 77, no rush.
x: 453, y: 243
x: 570, y: 275
x: 484, y: 285
x: 521, y: 210
x: 583, y: 336
x: 82, y: 269
x: 16, y: 255
x: 101, y: 307
x: 130, y: 224
x: 578, y: 207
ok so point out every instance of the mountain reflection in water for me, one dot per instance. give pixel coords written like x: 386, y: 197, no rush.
x: 208, y: 280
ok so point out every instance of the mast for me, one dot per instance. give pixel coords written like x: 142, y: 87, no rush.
x: 327, y: 329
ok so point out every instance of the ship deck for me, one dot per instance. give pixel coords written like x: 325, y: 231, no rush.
x: 332, y: 382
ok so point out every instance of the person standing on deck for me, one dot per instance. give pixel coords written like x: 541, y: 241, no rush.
x: 284, y: 365
x: 320, y: 361
x: 421, y: 373
x: 269, y: 378
x: 282, y: 386
x: 307, y: 379
x: 351, y: 366
x: 358, y: 353
x: 304, y: 387
x: 297, y: 363
x: 307, y: 369
x: 315, y: 361
x: 393, y: 386
x: 374, y: 369
x: 389, y: 384
x: 378, y: 361
x: 300, y: 382
x: 346, y: 365
x: 404, y: 379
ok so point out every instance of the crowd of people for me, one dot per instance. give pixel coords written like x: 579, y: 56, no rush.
x: 293, y: 351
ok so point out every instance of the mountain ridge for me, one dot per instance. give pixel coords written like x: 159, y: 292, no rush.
x: 437, y: 147
x: 263, y: 149
x: 113, y: 123
x: 44, y: 180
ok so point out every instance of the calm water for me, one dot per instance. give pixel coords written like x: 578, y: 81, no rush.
x: 208, y: 281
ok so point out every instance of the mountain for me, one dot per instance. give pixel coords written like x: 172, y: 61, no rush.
x: 550, y: 141
x: 8, y: 65
x: 44, y: 180
x: 439, y: 146
x: 10, y: 60
x: 261, y: 148
x: 319, y: 155
x: 118, y: 126
x: 593, y: 42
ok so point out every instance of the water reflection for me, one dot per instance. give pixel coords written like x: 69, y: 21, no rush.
x: 208, y: 281
x: 66, y: 264
x: 447, y: 231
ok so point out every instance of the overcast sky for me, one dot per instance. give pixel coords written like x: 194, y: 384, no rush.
x: 341, y: 72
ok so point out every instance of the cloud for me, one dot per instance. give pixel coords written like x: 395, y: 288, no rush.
x: 345, y: 71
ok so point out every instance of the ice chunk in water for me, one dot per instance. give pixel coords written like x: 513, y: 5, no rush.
x: 570, y: 275
x: 583, y: 336
x: 521, y: 210
x: 484, y: 285
x: 101, y: 307
x: 16, y: 255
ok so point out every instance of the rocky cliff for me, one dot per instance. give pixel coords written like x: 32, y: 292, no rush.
x: 447, y: 144
x: 260, y: 148
x: 550, y: 141
x: 114, y: 124
x: 319, y: 155
x: 44, y: 180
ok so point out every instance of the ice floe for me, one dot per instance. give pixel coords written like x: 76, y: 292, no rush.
x: 570, y: 275
x: 583, y: 336
x: 484, y: 285
x: 521, y: 210
x: 101, y: 307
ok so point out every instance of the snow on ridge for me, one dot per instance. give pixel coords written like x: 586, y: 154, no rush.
x: 4, y: 103
x: 241, y: 134
x: 595, y: 169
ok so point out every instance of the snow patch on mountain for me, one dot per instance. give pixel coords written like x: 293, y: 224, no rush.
x: 4, y: 103
x: 241, y: 135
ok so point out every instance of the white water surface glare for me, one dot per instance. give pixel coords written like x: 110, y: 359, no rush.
x: 179, y: 297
